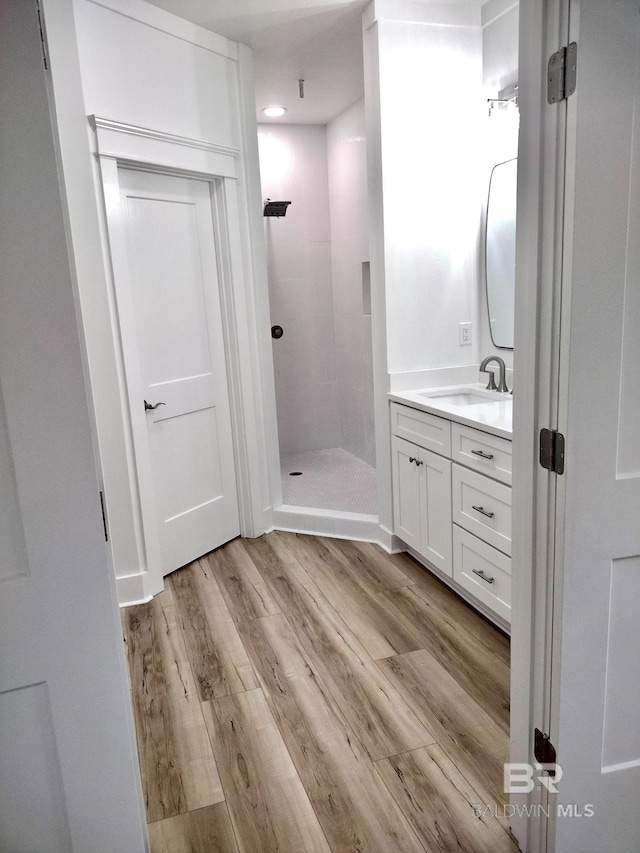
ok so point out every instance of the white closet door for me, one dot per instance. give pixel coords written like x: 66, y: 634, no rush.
x: 69, y: 780
x: 175, y: 363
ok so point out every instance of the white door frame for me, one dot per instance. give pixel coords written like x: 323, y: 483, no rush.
x: 121, y: 145
x: 252, y: 385
x: 536, y: 492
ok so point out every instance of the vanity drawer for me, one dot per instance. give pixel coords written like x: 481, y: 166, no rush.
x: 481, y: 451
x: 429, y: 431
x: 482, y: 506
x: 483, y: 571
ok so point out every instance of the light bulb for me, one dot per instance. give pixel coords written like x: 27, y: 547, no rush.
x: 274, y: 112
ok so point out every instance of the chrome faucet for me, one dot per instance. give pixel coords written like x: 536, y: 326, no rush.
x: 491, y: 384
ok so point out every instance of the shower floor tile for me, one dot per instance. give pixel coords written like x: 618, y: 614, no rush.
x: 330, y: 479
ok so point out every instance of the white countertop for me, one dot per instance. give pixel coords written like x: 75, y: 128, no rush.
x: 494, y: 416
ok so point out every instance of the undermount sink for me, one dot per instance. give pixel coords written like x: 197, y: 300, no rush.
x: 464, y: 397
x: 471, y: 404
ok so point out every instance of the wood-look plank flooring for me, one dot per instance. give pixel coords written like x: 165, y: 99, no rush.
x: 298, y: 693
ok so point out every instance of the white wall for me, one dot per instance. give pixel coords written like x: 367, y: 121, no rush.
x: 436, y: 66
x: 293, y: 167
x: 145, y: 67
x: 423, y: 92
x: 499, y: 69
x: 499, y: 44
x: 431, y: 106
x: 346, y: 152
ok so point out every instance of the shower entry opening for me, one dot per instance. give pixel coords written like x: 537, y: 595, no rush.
x: 320, y: 304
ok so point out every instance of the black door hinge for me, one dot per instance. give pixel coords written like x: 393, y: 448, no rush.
x: 544, y: 751
x: 552, y: 450
x: 104, y: 517
x: 562, y: 73
x: 43, y: 38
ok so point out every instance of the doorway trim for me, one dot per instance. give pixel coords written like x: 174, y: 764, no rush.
x: 122, y: 145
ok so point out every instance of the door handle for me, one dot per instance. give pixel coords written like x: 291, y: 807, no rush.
x: 149, y: 408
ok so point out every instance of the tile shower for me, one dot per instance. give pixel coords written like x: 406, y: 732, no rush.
x: 317, y: 257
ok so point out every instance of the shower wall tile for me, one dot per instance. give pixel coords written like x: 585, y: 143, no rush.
x: 321, y: 273
x: 287, y: 251
x: 308, y: 418
x: 315, y: 254
x: 346, y: 151
x: 293, y: 165
x: 301, y: 359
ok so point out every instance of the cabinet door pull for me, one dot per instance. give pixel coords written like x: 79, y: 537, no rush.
x: 412, y: 459
x: 482, y: 510
x: 483, y: 454
x: 419, y: 461
x: 482, y: 575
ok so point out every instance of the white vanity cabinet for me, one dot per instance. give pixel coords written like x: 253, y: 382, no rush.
x: 452, y: 504
x: 422, y: 502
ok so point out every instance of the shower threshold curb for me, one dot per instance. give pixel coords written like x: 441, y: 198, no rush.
x: 326, y: 522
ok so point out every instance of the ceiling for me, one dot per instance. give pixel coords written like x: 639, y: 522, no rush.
x: 319, y: 41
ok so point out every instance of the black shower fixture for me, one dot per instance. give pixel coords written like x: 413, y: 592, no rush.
x: 275, y: 208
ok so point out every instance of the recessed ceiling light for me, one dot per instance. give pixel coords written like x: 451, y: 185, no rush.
x: 274, y: 112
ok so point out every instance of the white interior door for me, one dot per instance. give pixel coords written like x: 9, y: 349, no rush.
x: 175, y: 364
x: 596, y: 650
x: 68, y: 773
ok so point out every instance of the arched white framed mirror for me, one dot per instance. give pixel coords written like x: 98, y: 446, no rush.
x: 500, y: 252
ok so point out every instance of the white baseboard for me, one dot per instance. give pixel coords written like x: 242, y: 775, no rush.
x: 389, y: 542
x: 131, y: 590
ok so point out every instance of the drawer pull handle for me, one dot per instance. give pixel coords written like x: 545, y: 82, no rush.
x: 483, y: 454
x: 482, y: 510
x: 482, y: 575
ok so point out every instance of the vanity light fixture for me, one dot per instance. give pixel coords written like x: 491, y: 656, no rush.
x: 274, y: 112
x: 507, y: 99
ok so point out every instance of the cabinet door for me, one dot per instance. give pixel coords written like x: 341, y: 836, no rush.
x: 406, y: 491
x: 435, y: 510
